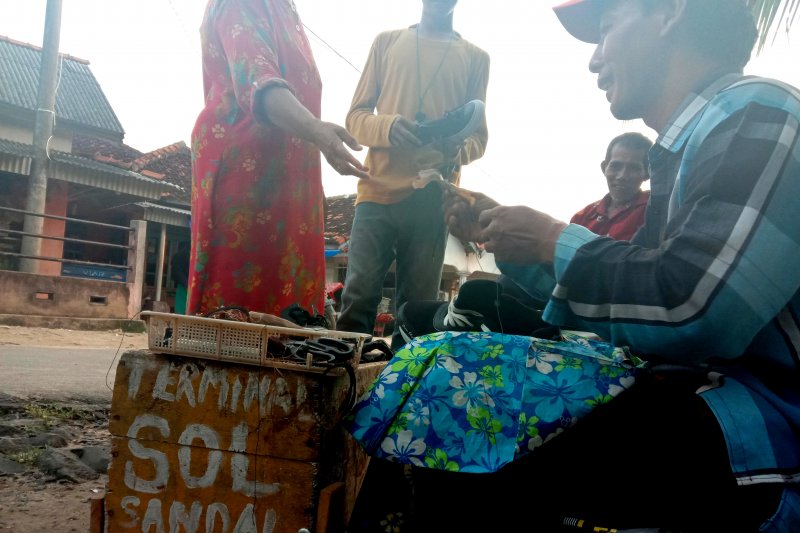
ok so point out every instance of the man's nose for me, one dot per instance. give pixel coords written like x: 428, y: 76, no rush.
x: 627, y: 174
x: 596, y: 61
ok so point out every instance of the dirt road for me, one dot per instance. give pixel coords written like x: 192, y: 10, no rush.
x: 48, y: 372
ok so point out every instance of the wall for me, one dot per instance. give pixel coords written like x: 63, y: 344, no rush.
x: 62, y: 140
x: 57, y: 195
x: 33, y: 294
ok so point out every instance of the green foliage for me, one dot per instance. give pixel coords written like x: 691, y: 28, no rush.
x: 52, y: 414
x: 29, y: 457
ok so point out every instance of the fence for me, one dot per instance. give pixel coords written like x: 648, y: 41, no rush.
x: 12, y: 237
x: 128, y: 269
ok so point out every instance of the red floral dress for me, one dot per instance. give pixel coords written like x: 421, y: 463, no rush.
x: 257, y: 214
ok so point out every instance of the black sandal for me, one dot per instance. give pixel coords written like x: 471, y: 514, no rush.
x: 384, y: 353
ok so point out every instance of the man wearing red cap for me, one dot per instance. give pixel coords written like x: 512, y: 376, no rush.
x: 708, y: 291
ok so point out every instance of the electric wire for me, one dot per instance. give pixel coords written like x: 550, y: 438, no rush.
x: 320, y: 39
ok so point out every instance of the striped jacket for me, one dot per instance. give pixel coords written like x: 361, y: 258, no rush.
x: 712, y: 280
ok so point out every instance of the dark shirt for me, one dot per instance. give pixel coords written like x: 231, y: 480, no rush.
x: 712, y: 279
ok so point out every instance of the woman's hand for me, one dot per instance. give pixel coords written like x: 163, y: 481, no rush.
x: 279, y: 107
x: 331, y: 138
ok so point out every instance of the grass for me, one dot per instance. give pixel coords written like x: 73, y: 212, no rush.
x: 52, y: 414
x: 29, y: 457
x: 133, y: 326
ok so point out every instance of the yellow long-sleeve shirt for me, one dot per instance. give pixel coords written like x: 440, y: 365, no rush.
x: 448, y: 74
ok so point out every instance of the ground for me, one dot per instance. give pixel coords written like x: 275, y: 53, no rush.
x: 34, y: 500
x: 21, y: 336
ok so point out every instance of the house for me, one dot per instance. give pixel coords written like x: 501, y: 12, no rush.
x: 98, y: 200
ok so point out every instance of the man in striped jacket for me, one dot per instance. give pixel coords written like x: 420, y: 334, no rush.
x: 708, y: 290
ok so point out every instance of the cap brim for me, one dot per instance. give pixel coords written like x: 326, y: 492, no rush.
x: 581, y: 18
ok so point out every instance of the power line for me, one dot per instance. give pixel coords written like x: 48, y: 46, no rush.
x: 331, y: 48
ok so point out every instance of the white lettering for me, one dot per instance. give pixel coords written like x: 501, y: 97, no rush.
x: 128, y: 503
x: 251, y: 392
x: 270, y: 520
x: 240, y: 464
x: 214, y: 378
x: 134, y: 482
x: 211, y: 441
x: 137, y: 366
x: 185, y: 383
x: 152, y: 517
x: 237, y: 392
x: 217, y: 517
x: 263, y: 391
x: 302, y: 393
x: 178, y: 517
x: 247, y: 521
x: 283, y: 398
x: 163, y: 379
x: 211, y: 517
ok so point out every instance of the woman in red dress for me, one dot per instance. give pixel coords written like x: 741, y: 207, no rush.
x: 257, y: 199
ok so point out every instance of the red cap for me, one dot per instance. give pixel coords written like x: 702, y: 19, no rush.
x: 581, y: 18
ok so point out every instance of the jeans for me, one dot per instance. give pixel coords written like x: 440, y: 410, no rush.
x: 411, y: 232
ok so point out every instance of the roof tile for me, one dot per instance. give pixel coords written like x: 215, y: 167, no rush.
x: 79, y: 98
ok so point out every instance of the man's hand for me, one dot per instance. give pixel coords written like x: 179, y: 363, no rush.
x: 402, y: 134
x: 451, y: 158
x: 331, y: 138
x: 520, y: 234
x: 461, y: 211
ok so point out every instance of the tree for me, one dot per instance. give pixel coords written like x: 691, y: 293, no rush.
x: 773, y: 16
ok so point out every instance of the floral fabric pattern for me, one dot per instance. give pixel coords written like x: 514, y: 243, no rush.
x: 472, y: 402
x: 257, y: 212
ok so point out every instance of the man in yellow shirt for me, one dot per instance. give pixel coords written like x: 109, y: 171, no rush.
x: 412, y: 76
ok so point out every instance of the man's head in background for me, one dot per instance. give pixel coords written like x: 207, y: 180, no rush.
x: 625, y: 166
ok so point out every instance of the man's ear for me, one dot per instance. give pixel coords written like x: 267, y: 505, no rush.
x: 603, y: 165
x: 671, y: 13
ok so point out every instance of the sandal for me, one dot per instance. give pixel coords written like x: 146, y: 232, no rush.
x: 324, y: 350
x: 369, y: 355
x: 236, y: 313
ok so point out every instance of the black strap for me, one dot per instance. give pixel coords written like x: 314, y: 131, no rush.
x: 373, y: 345
x: 350, y: 402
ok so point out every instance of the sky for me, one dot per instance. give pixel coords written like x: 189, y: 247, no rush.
x: 548, y: 123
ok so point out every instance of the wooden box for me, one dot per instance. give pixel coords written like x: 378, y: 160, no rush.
x: 215, y: 446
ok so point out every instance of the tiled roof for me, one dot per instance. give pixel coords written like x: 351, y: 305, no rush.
x: 15, y: 157
x: 79, y: 99
x: 339, y: 214
x: 171, y: 164
x: 174, y: 162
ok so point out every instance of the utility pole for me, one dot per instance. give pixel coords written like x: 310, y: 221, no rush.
x: 43, y: 130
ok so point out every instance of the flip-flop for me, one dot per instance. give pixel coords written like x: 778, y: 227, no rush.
x: 376, y: 345
x: 323, y: 350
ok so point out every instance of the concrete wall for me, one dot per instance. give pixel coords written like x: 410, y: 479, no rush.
x: 57, y: 198
x: 22, y: 133
x: 34, y: 294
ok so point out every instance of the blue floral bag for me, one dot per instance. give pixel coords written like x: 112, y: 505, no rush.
x: 473, y: 402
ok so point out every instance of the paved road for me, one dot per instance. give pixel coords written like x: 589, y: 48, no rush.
x: 73, y: 373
